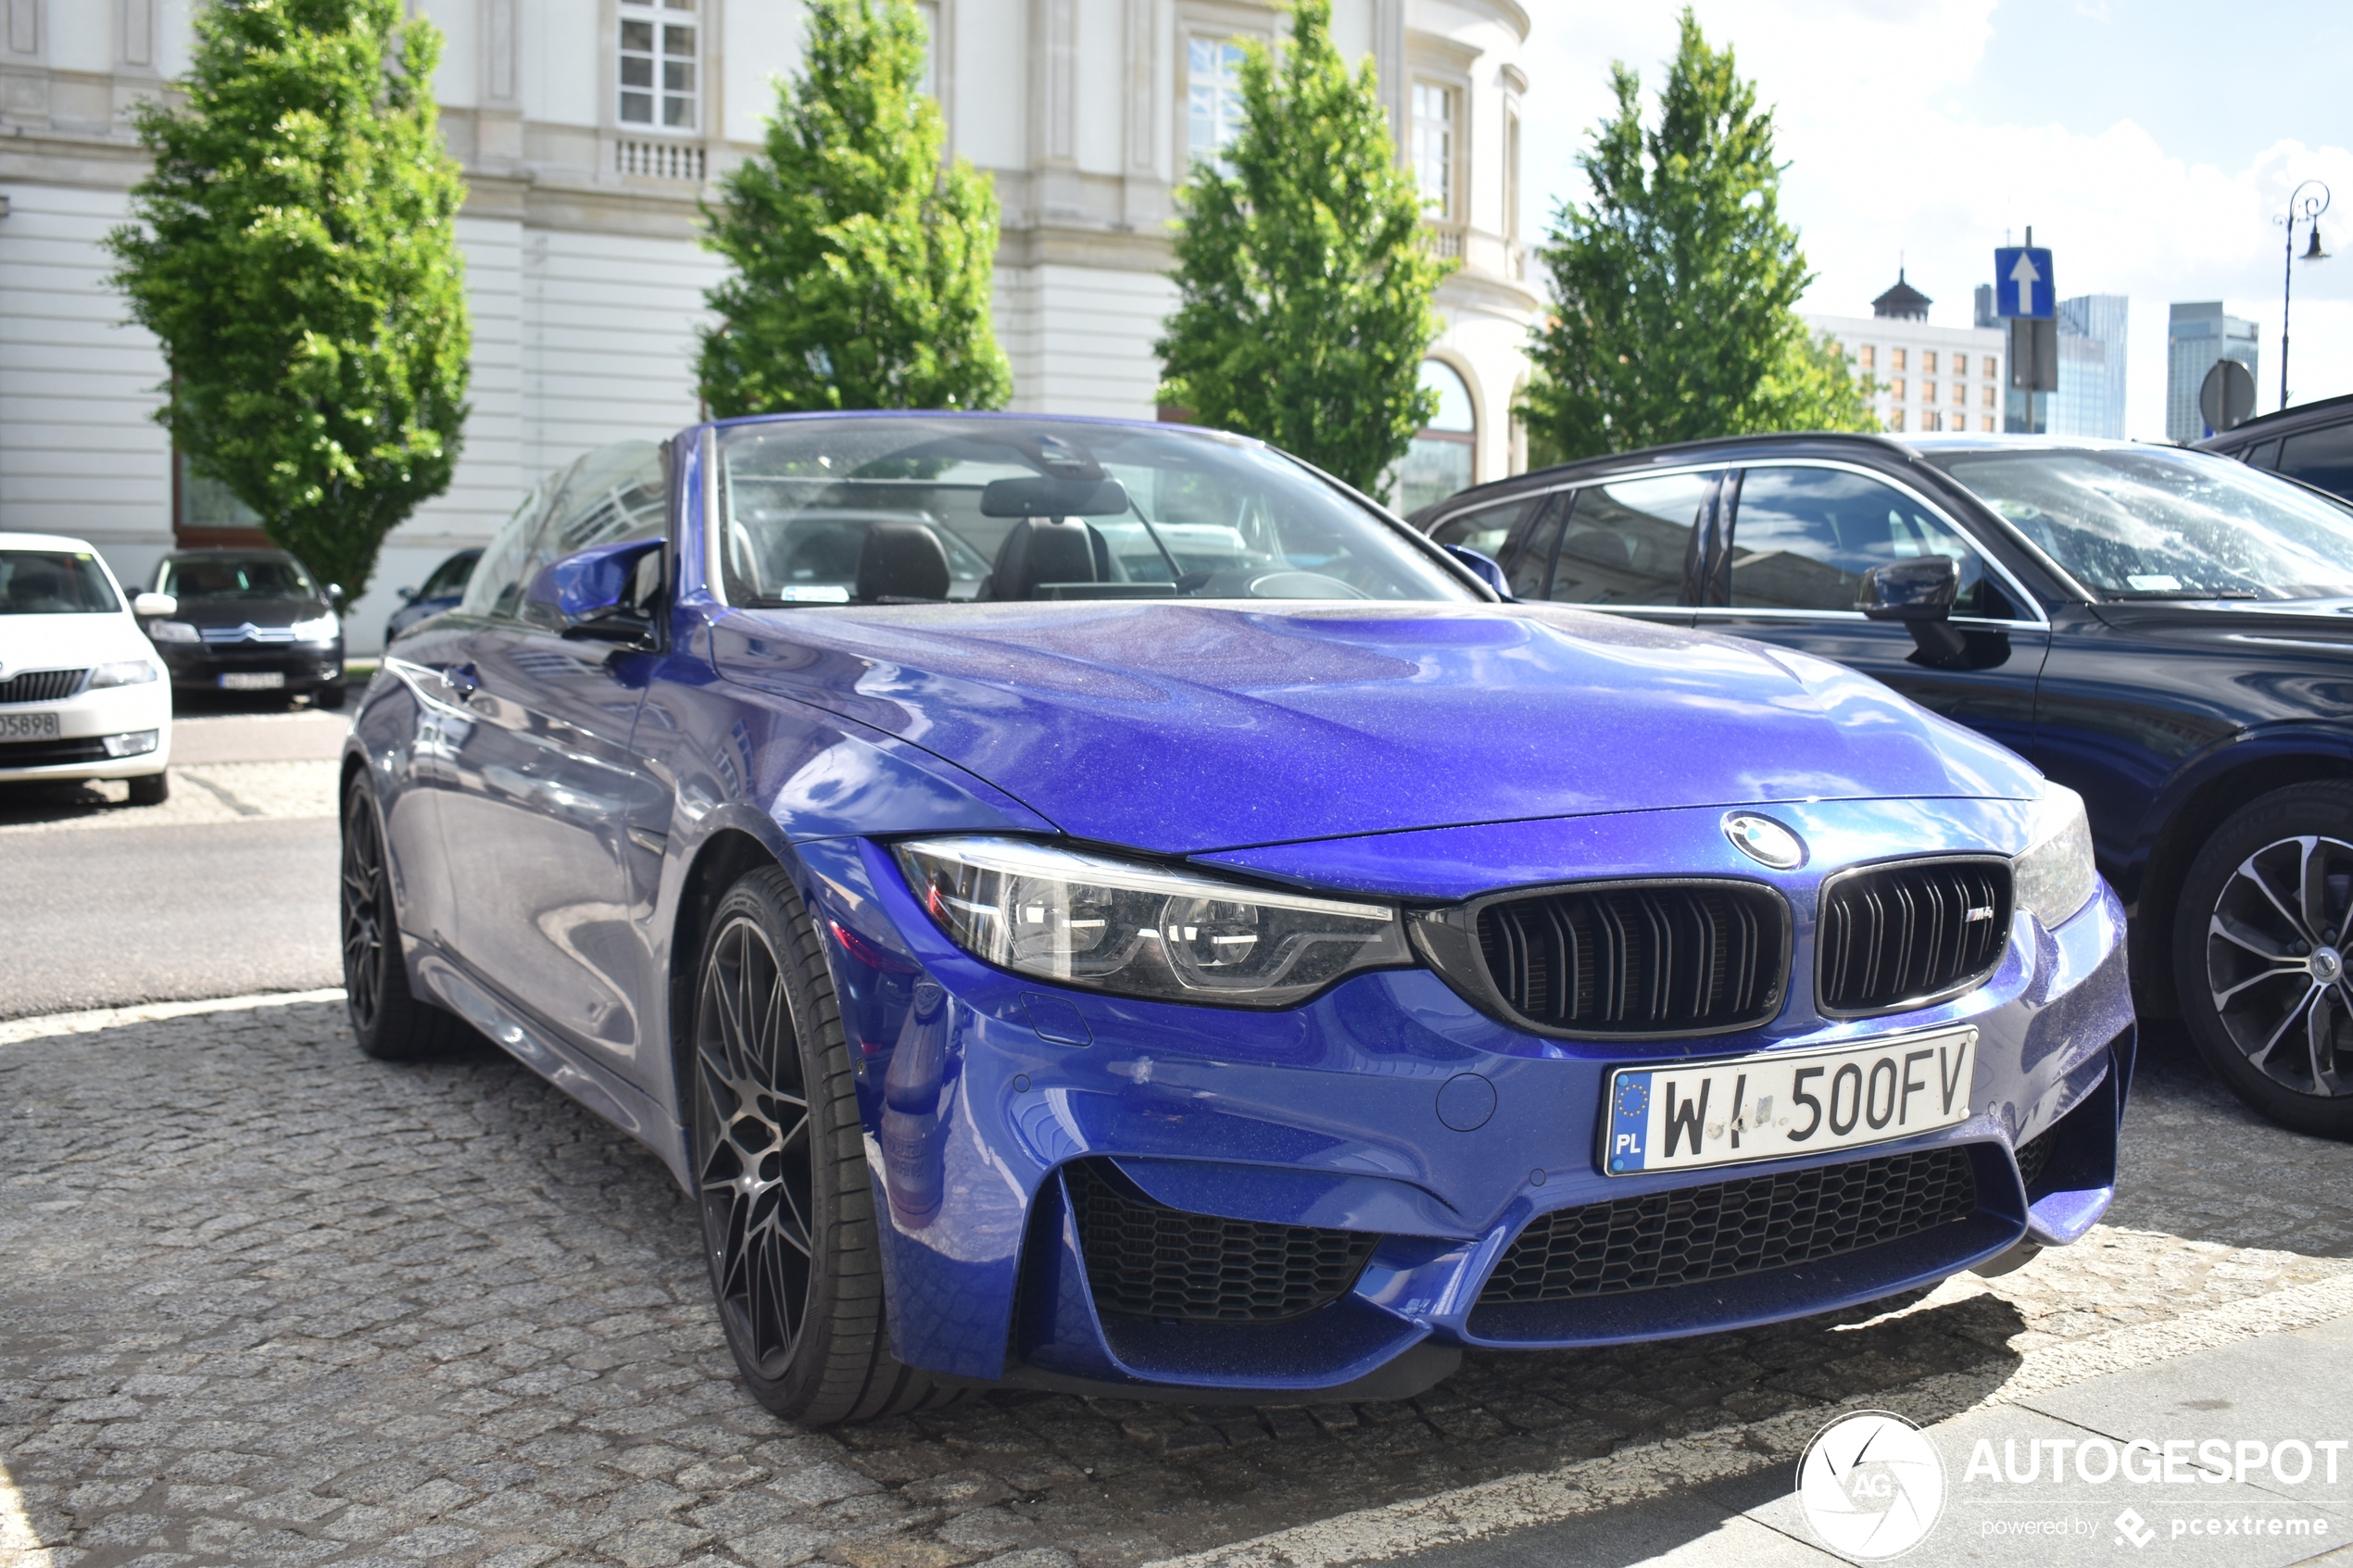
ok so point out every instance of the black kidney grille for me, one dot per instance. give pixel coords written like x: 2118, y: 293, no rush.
x: 1146, y: 1261
x: 1636, y: 959
x: 1897, y: 936
x: 41, y: 685
x: 1740, y: 1227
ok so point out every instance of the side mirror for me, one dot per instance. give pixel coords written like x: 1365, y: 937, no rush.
x: 1484, y: 566
x: 1924, y: 589
x: 146, y: 607
x: 335, y: 591
x: 604, y: 595
x: 408, y: 596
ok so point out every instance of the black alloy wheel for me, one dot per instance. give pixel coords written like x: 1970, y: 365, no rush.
x: 2261, y: 938
x: 780, y: 1170
x: 386, y: 1020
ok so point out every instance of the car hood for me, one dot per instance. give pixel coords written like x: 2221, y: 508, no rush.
x: 238, y: 612
x: 1183, y: 728
x: 66, y: 642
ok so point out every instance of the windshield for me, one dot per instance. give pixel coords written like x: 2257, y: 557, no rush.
x: 236, y: 577
x: 54, y: 582
x: 940, y: 507
x: 2151, y: 523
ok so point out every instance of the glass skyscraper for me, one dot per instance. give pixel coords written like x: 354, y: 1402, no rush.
x: 2090, y: 400
x: 2197, y: 335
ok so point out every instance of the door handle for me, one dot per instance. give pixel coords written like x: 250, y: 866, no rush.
x: 462, y: 679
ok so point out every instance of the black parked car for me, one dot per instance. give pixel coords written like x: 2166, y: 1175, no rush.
x: 249, y: 621
x: 2313, y: 442
x: 442, y: 591
x: 2166, y: 632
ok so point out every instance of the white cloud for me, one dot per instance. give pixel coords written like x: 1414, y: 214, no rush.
x: 1883, y: 164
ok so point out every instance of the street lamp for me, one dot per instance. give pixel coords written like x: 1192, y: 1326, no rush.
x: 2305, y: 210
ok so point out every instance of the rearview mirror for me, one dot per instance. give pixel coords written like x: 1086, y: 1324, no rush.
x: 1053, y: 498
x: 148, y: 606
x: 1924, y: 589
x: 1484, y: 566
x: 604, y: 595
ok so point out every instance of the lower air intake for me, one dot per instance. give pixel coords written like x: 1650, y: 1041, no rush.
x: 1693, y: 1234
x: 1146, y: 1261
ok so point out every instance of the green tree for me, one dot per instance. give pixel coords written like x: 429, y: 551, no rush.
x: 295, y: 249
x: 1675, y: 288
x: 1303, y: 290
x: 861, y: 264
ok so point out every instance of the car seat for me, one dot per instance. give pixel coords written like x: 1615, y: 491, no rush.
x: 902, y: 560
x: 1040, y: 550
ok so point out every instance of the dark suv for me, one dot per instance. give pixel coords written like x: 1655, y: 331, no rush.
x: 2166, y: 632
x: 2312, y: 444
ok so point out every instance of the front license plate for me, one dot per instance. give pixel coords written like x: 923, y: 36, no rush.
x: 1789, y: 1103
x: 28, y: 726
x: 253, y: 681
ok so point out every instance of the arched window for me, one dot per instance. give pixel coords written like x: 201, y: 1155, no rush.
x: 1439, y: 462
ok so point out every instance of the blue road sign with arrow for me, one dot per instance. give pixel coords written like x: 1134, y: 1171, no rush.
x: 2022, y: 282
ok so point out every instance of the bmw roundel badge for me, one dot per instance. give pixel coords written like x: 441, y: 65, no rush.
x: 1764, y: 841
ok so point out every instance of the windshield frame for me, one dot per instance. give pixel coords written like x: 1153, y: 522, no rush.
x: 714, y: 437
x: 1939, y: 457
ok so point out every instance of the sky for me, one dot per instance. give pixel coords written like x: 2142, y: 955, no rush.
x: 2151, y: 144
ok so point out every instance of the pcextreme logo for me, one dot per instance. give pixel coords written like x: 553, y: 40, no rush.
x: 1872, y: 1484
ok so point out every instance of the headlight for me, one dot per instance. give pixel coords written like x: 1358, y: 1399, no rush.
x: 172, y: 631
x: 2056, y: 875
x: 123, y: 672
x: 1143, y: 930
x: 321, y: 630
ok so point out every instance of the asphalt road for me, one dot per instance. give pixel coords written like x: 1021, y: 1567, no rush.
x: 227, y: 888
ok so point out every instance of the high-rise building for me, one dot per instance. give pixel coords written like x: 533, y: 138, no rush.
x: 2090, y: 400
x: 2197, y: 335
x: 1923, y: 378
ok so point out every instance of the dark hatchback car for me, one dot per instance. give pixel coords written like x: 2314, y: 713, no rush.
x: 249, y: 621
x: 441, y: 592
x: 2166, y: 632
x: 2311, y: 444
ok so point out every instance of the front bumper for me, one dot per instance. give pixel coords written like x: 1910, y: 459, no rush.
x: 301, y: 666
x: 86, y: 722
x: 999, y: 1111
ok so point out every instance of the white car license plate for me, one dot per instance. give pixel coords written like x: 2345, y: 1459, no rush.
x: 253, y: 681
x: 1786, y: 1102
x: 28, y: 726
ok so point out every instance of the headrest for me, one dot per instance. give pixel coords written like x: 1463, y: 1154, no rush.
x: 902, y: 560
x: 1046, y: 550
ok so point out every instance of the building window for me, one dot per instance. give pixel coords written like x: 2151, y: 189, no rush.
x: 1898, y: 385
x: 1434, y: 147
x: 1214, y: 88
x: 1985, y: 397
x: 659, y: 84
x: 1866, y: 357
x: 1895, y: 421
x: 1928, y: 392
x: 1928, y: 361
x: 1439, y: 461
x: 1895, y: 359
x: 1993, y: 371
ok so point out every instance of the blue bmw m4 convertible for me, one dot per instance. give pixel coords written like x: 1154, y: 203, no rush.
x: 1103, y: 906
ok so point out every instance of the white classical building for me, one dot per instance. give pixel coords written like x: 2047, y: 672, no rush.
x: 589, y: 128
x: 1926, y: 378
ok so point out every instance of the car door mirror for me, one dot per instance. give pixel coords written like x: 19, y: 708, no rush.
x: 146, y: 607
x: 1485, y: 568
x: 408, y: 596
x: 1924, y: 589
x: 605, y: 593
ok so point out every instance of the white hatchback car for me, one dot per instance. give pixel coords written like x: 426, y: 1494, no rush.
x: 81, y: 692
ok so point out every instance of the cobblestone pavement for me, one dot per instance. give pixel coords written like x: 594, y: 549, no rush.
x: 270, y: 1303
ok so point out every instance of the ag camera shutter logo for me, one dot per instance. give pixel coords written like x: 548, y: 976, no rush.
x: 1872, y: 1485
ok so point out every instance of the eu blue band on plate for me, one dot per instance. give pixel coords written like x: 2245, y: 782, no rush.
x: 1629, y: 1120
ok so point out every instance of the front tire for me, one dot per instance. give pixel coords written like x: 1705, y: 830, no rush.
x: 330, y: 697
x: 2259, y: 955
x: 150, y: 789
x: 787, y: 1209
x: 388, y: 1023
